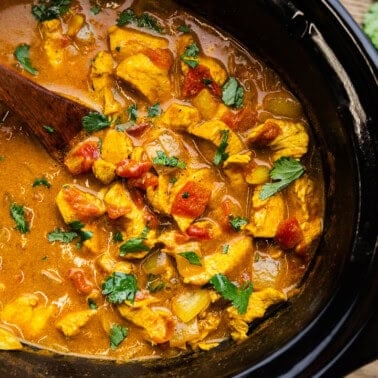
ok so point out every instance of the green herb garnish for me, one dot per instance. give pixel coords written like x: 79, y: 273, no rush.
x: 135, y: 245
x: 184, y: 28
x: 21, y: 53
x: 17, y: 212
x: 154, y: 110
x: 238, y: 296
x: 192, y: 257
x: 118, y: 237
x: 117, y: 335
x: 128, y: 16
x: 233, y: 93
x: 61, y: 236
x: 96, y: 9
x: 190, y: 55
x: 120, y: 287
x: 133, y: 112
x: 237, y: 222
x: 286, y: 170
x: 41, y: 181
x: 92, y: 304
x: 225, y: 248
x: 221, y: 154
x: 49, y: 129
x: 162, y: 159
x: 154, y: 283
x: 207, y: 81
x: 95, y: 122
x: 50, y: 9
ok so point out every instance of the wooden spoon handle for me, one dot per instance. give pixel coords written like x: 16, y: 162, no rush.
x: 39, y: 107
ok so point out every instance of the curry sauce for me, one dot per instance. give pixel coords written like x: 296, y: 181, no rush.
x: 190, y: 204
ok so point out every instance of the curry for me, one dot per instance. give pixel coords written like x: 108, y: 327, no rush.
x: 191, y: 203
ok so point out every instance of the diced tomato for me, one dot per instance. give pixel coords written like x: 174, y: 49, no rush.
x: 82, y: 284
x: 83, y: 207
x: 161, y: 57
x: 289, y: 233
x: 240, y: 120
x: 138, y: 129
x: 195, y: 81
x: 191, y: 200
x: 81, y: 158
x: 130, y: 168
x: 147, y: 180
x: 181, y: 238
x: 269, y: 132
x: 198, y: 232
x: 150, y: 218
x: 115, y: 212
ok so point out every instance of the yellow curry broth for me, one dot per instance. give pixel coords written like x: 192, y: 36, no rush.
x: 117, y: 187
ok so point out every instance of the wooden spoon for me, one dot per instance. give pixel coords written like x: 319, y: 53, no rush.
x: 39, y: 107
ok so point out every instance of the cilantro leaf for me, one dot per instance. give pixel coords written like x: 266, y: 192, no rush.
x: 96, y: 9
x: 17, y: 212
x: 232, y: 93
x: 154, y: 283
x: 221, y: 154
x: 239, y: 297
x: 225, y: 248
x: 286, y: 170
x: 133, y: 112
x: 50, y: 9
x: 61, y: 236
x: 49, y: 129
x: 21, y: 53
x: 95, y: 122
x: 154, y: 110
x: 184, y: 28
x: 370, y: 24
x: 92, y: 304
x: 41, y: 181
x: 133, y: 245
x: 162, y: 159
x: 118, y: 237
x: 127, y: 16
x: 190, y: 55
x: 76, y: 225
x: 120, y: 287
x: 192, y: 257
x: 117, y: 335
x: 237, y: 222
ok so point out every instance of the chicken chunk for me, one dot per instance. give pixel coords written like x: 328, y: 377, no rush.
x: 104, y: 171
x: 179, y: 117
x: 71, y: 323
x: 150, y: 79
x: 116, y: 146
x: 118, y: 201
x: 53, y: 41
x: 233, y: 168
x: 157, y: 322
x: 8, y: 341
x: 285, y: 138
x: 206, y: 104
x: 259, y: 302
x: 266, y: 214
x: 213, y: 132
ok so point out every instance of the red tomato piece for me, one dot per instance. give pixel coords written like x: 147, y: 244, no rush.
x: 195, y: 81
x: 130, y: 168
x: 160, y: 57
x: 82, y: 284
x: 116, y: 212
x: 240, y: 120
x: 138, y: 129
x: 289, y: 233
x: 148, y: 179
x: 198, y: 232
x: 191, y: 200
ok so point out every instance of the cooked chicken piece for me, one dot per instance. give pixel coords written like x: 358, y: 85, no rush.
x: 233, y: 168
x: 157, y: 322
x: 8, y: 341
x: 103, y: 63
x: 74, y: 203
x: 215, y: 263
x: 148, y: 78
x: 27, y: 313
x: 71, y: 323
x: 206, y: 325
x: 285, y: 138
x: 266, y: 214
x: 53, y: 39
x: 104, y: 171
x: 118, y: 201
x: 213, y: 132
x: 206, y: 104
x: 106, y: 263
x: 97, y: 243
x: 158, y: 196
x: 179, y: 117
x: 125, y: 42
x: 259, y: 302
x: 116, y: 146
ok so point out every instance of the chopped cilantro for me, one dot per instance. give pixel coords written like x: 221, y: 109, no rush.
x: 134, y: 245
x: 128, y: 16
x: 44, y: 258
x: 118, y: 237
x: 162, y: 159
x: 117, y: 335
x: 96, y: 9
x: 49, y: 129
x: 286, y: 170
x: 238, y: 296
x: 61, y: 236
x: 95, y: 122
x: 173, y: 180
x: 233, y: 93
x: 154, y: 110
x: 221, y: 154
x: 190, y: 55
x: 184, y: 28
x: 92, y: 304
x: 50, y: 9
x: 120, y: 287
x: 207, y: 81
x: 192, y: 257
x: 185, y: 195
x: 133, y: 112
x: 21, y: 53
x: 17, y: 212
x: 41, y: 181
x: 154, y: 283
x: 237, y: 222
x: 225, y: 248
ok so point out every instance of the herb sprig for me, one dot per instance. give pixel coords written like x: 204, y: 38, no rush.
x: 221, y: 154
x: 162, y: 159
x: 190, y: 55
x: 233, y: 93
x: 145, y: 20
x: 95, y: 122
x: 50, y: 9
x: 192, y: 257
x: 21, y: 53
x: 120, y: 287
x: 17, y: 213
